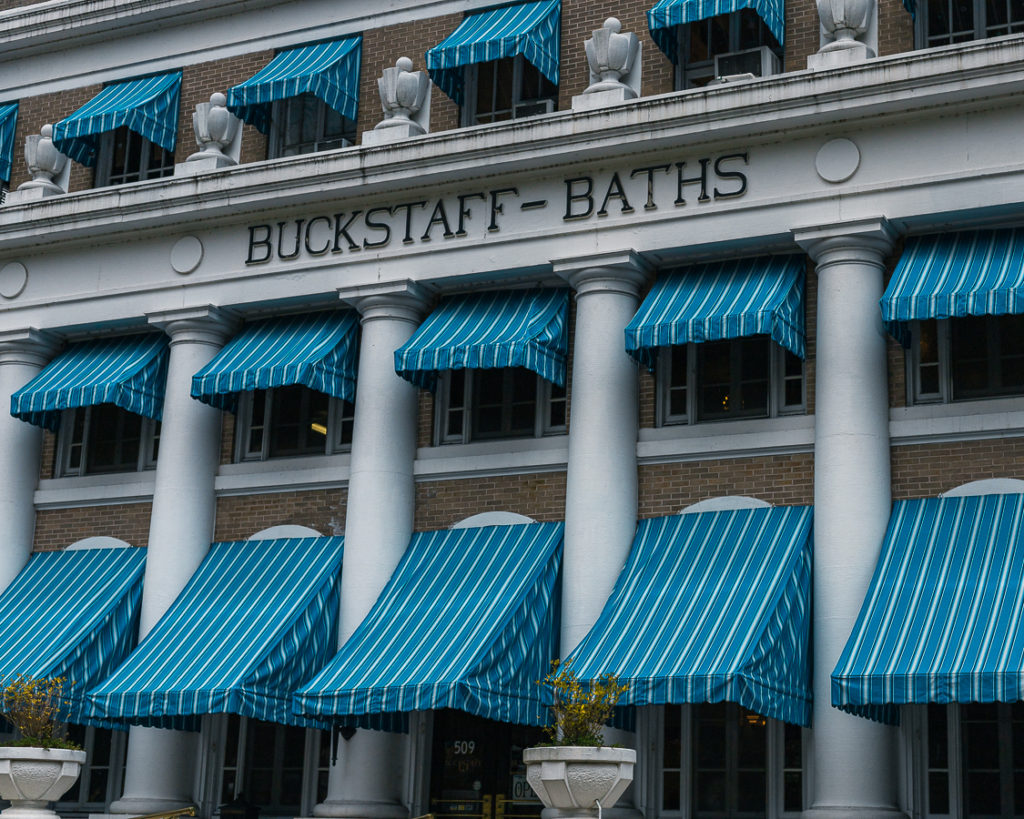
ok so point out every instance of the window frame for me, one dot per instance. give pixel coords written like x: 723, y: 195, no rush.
x: 468, y: 113
x: 705, y: 69
x: 774, y: 768
x: 279, y: 110
x: 915, y: 396
x: 923, y: 40
x: 338, y: 413
x: 149, y: 438
x: 777, y: 378
x: 115, y: 779
x: 442, y: 408
x: 104, y: 176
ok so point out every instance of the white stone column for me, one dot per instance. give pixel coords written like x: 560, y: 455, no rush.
x: 160, y: 770
x: 854, y: 770
x: 601, y: 484
x: 366, y: 781
x: 23, y: 353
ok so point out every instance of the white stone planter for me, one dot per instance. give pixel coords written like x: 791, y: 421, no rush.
x: 574, y: 779
x: 30, y: 778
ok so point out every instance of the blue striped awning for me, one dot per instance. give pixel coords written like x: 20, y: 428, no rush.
x: 128, y: 372
x: 721, y: 300
x: 8, y: 123
x: 467, y: 621
x: 147, y: 106
x: 950, y: 275
x: 507, y: 328
x: 667, y: 14
x: 257, y: 619
x: 317, y: 350
x: 943, y: 620
x: 329, y: 71
x: 71, y: 614
x: 712, y: 606
x: 529, y: 29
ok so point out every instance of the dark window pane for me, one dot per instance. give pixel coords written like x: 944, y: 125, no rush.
x: 938, y: 792
x: 751, y: 796
x: 938, y: 746
x: 793, y: 791
x: 114, y: 438
x: 672, y: 726
x: 298, y: 421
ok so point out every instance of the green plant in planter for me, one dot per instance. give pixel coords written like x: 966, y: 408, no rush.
x: 33, y: 706
x: 580, y: 709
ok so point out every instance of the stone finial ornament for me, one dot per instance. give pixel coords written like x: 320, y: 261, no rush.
x: 217, y: 132
x: 844, y: 22
x: 614, y: 61
x: 405, y: 100
x: 50, y: 168
x: 611, y: 56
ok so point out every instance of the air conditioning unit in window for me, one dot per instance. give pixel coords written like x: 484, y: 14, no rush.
x: 760, y: 62
x: 532, y: 109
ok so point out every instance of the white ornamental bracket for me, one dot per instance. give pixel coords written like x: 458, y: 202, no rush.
x: 614, y: 62
x: 405, y: 101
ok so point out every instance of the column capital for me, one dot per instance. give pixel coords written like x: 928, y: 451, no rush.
x: 204, y: 324
x: 28, y: 346
x: 400, y: 301
x: 862, y: 240
x: 619, y: 271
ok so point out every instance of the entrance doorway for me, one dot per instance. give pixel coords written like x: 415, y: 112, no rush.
x: 477, y: 769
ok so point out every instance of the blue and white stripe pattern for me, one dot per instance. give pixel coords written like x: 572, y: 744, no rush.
x: 530, y: 29
x: 663, y: 18
x: 950, y: 275
x: 71, y: 614
x: 712, y: 606
x: 507, y: 328
x: 943, y: 620
x: 721, y: 300
x: 317, y: 350
x: 129, y: 372
x: 8, y: 124
x: 329, y: 71
x: 467, y: 621
x: 147, y: 106
x: 257, y: 619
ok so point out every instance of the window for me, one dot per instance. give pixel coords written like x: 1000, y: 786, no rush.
x: 974, y: 763
x: 966, y: 358
x: 504, y: 89
x: 941, y: 22
x: 474, y: 405
x: 103, y: 439
x: 282, y: 769
x: 124, y: 156
x: 720, y: 761
x: 703, y: 40
x: 102, y: 774
x: 719, y: 380
x: 305, y: 124
x: 289, y: 421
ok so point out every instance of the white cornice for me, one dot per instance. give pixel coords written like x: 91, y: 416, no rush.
x: 919, y: 84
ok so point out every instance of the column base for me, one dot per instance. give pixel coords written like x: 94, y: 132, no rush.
x: 849, y: 812
x: 140, y: 806
x: 358, y: 809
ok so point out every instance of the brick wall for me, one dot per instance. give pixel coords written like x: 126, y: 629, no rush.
x: 57, y: 528
x: 227, y: 438
x: 33, y: 114
x: 201, y: 80
x: 895, y: 28
x: 48, y: 463
x: 802, y: 33
x: 784, y: 480
x: 439, y: 504
x: 925, y: 470
x: 320, y: 509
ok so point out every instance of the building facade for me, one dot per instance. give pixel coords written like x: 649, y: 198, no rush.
x: 682, y: 339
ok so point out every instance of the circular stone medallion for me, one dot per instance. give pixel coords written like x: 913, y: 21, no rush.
x: 13, y: 278
x: 837, y: 160
x: 186, y: 254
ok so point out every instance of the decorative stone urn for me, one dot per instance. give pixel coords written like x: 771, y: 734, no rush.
x: 575, y: 780
x: 610, y: 56
x: 844, y: 21
x: 216, y: 130
x: 30, y: 778
x: 45, y: 162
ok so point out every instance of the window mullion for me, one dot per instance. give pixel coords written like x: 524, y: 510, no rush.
x: 268, y: 419
x: 944, y: 336
x: 686, y: 783
x: 773, y: 769
x: 955, y: 761
x: 468, y: 404
x: 692, y: 387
